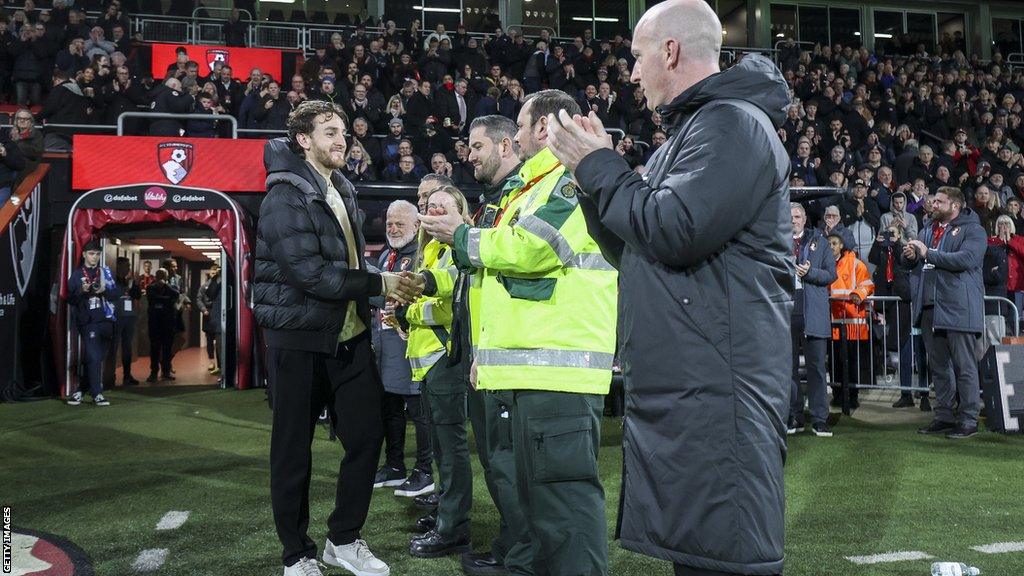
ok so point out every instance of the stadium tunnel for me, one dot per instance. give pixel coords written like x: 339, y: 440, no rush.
x: 150, y: 221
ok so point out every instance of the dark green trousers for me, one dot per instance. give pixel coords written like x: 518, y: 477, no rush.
x: 555, y: 438
x: 445, y: 391
x: 491, y: 415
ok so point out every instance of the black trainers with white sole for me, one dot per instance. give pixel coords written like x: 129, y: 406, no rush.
x: 821, y: 430
x: 388, y: 476
x: 418, y: 483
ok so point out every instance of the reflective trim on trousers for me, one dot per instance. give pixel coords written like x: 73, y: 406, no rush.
x: 545, y: 357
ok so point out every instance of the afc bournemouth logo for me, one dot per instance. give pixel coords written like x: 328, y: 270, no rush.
x: 215, y: 55
x: 175, y: 159
x: 41, y: 554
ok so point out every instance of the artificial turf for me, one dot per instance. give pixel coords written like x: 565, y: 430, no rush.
x: 104, y: 477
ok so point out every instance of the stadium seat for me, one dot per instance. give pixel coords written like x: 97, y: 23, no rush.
x: 298, y: 16
x: 342, y: 19
x: 319, y: 17
x: 275, y: 15
x: 151, y: 7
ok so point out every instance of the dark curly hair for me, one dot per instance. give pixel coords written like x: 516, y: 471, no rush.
x: 302, y: 120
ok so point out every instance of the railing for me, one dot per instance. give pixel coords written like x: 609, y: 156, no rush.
x: 892, y: 351
x: 169, y: 116
x: 204, y: 32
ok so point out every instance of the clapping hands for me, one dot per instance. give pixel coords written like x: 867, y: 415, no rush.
x: 403, y: 287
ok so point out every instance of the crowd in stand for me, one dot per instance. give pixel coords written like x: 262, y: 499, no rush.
x: 889, y: 129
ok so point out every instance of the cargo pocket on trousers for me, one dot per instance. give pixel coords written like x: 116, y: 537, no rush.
x: 447, y: 408
x: 563, y: 448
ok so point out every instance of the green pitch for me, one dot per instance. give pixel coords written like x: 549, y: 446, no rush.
x: 104, y: 477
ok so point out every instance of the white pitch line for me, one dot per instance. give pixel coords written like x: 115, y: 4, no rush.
x: 1000, y: 547
x: 889, y: 557
x: 150, y: 560
x: 173, y: 519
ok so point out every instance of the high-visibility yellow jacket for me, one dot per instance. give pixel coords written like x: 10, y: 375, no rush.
x: 429, y: 318
x: 547, y: 298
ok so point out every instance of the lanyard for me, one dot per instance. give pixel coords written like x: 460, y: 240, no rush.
x: 522, y: 191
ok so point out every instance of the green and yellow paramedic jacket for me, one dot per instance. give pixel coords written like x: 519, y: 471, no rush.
x: 429, y: 318
x: 546, y: 310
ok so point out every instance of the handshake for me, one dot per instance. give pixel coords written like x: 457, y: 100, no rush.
x: 402, y: 287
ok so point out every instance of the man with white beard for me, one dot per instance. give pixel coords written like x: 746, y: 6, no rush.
x: 400, y: 392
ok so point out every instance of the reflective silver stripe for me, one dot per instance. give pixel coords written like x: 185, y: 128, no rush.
x: 841, y: 291
x: 545, y: 357
x: 426, y: 361
x: 549, y: 234
x: 473, y: 248
x: 454, y: 273
x: 428, y: 313
x: 590, y: 261
x: 850, y: 321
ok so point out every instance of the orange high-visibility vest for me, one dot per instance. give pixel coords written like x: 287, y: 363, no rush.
x: 852, y: 277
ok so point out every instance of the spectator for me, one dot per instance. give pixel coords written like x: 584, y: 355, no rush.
x: 988, y: 209
x: 169, y: 98
x: 27, y: 69
x: 28, y: 139
x: 360, y: 106
x: 861, y: 216
x: 235, y: 30
x: 73, y: 60
x: 421, y: 105
x: 11, y: 165
x: 161, y: 298
x: 946, y: 259
x: 371, y: 146
x: 146, y: 278
x: 66, y: 104
x: 405, y: 171
x: 122, y: 94
x: 511, y: 102
x: 76, y: 26
x: 273, y: 111
x: 195, y: 128
x: 391, y: 142
x: 358, y: 164
x: 995, y: 275
x: 1013, y: 210
x: 92, y: 291
x: 111, y: 18
x: 230, y: 92
x: 627, y: 149
x: 122, y: 42
x: 810, y: 323
x: 804, y: 165
x: 850, y: 313
x: 98, y: 44
x: 898, y: 217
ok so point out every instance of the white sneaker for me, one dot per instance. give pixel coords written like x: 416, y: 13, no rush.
x: 75, y: 399
x: 304, y: 567
x: 356, y: 558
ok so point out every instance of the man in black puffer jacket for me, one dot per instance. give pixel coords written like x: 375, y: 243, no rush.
x: 311, y: 295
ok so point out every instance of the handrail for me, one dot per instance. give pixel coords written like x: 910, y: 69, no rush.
x: 20, y: 195
x: 170, y: 116
x: 1016, y: 311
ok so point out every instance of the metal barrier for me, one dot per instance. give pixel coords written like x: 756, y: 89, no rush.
x: 280, y: 36
x: 165, y: 30
x: 892, y: 354
x: 169, y: 116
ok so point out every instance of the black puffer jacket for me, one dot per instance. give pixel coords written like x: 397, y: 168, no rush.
x: 303, y: 281
x: 703, y: 244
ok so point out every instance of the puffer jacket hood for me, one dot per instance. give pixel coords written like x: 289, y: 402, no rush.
x: 755, y: 79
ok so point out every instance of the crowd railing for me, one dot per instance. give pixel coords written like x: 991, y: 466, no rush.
x: 890, y: 356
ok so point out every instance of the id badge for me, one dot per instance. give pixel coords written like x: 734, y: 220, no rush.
x: 128, y: 305
x: 928, y: 266
x: 94, y: 303
x: 799, y: 283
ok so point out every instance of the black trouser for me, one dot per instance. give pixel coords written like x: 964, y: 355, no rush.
x: 96, y: 341
x: 161, y: 337
x: 394, y: 408
x: 124, y: 335
x: 814, y: 360
x: 302, y: 383
x: 212, y: 341
x: 681, y: 570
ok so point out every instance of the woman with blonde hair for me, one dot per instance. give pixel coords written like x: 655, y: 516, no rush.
x: 428, y: 321
x: 358, y: 164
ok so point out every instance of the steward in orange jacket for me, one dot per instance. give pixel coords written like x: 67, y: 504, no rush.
x: 850, y: 291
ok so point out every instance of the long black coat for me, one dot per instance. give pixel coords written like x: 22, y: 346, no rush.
x: 303, y: 282
x: 705, y: 262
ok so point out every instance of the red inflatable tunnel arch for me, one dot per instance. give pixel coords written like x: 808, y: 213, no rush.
x: 155, y: 203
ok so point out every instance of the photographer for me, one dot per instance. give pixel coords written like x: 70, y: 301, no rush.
x: 92, y: 290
